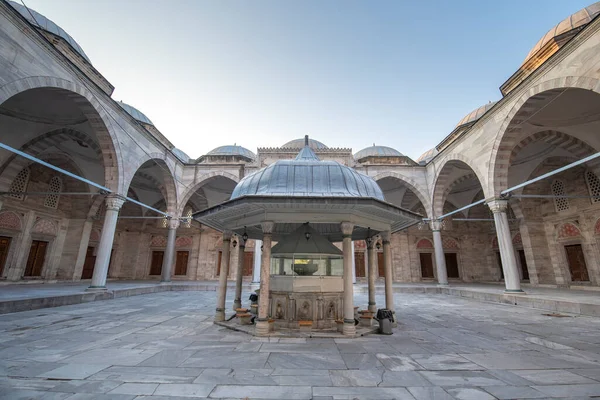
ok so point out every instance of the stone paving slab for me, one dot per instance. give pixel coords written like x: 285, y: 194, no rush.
x: 163, y: 346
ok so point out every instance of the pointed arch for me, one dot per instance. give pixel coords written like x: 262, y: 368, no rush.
x: 419, y: 190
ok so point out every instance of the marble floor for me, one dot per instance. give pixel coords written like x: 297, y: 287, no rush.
x: 164, y: 346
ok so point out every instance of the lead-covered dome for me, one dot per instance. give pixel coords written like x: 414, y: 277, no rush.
x: 427, y: 156
x: 299, y: 143
x: 307, y: 176
x: 234, y: 150
x: 377, y: 151
x: 474, y: 115
x: 135, y: 113
x: 40, y: 21
x: 573, y: 22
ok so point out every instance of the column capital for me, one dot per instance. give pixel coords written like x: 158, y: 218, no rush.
x: 385, y: 236
x: 114, y: 202
x: 267, y: 227
x: 347, y: 228
x: 436, y: 225
x: 369, y: 245
x: 227, y: 236
x: 498, y: 205
x: 173, y: 224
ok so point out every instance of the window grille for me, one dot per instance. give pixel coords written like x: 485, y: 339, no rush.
x: 593, y: 184
x: 54, y: 190
x: 19, y: 184
x: 558, y: 189
x: 187, y: 214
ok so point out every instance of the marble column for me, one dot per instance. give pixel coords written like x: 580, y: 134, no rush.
x: 440, y: 259
x: 237, y: 302
x: 257, y: 258
x: 222, y: 289
x: 113, y: 205
x: 512, y: 279
x: 353, y: 264
x: 371, y: 274
x: 82, y: 251
x: 387, y: 263
x: 349, y: 328
x: 167, y: 265
x: 262, y: 322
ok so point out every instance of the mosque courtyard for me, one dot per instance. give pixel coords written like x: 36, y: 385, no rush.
x: 165, y: 346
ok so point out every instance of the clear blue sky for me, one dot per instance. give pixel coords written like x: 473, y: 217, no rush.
x: 349, y: 73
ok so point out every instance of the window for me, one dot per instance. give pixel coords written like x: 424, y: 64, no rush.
x: 54, y: 189
x: 163, y: 222
x: 593, y: 184
x: 558, y: 189
x: 19, y: 184
x: 187, y: 214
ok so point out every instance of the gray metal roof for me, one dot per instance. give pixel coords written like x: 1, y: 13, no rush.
x: 38, y: 20
x: 181, y: 155
x: 427, y: 156
x: 377, y: 151
x: 299, y: 143
x: 135, y: 113
x: 232, y: 151
x: 309, y: 177
x: 475, y: 114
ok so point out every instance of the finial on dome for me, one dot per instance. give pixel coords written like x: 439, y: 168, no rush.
x: 305, y: 140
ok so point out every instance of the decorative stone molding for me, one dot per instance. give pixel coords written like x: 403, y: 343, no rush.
x: 173, y: 224
x: 347, y: 228
x: 158, y: 241
x: 183, y: 241
x: 498, y: 205
x: 267, y: 227
x: 227, y: 237
x: 385, y: 236
x: 10, y: 220
x: 114, y: 202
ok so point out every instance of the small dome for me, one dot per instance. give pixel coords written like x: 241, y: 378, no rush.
x: 38, y: 20
x: 232, y: 151
x: 307, y: 176
x: 181, y: 155
x: 135, y: 113
x: 475, y: 114
x: 299, y: 143
x: 377, y: 151
x: 427, y: 156
x: 572, y: 22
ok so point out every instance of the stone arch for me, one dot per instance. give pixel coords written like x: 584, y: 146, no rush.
x: 424, y: 243
x: 167, y: 187
x: 97, y: 117
x: 575, y: 146
x: 443, y: 183
x: 568, y: 230
x: 44, y: 226
x: 416, y: 188
x: 10, y: 220
x: 198, y: 183
x: 510, y: 130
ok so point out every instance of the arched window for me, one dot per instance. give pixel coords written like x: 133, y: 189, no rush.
x: 54, y: 189
x: 19, y: 184
x: 558, y: 189
x: 187, y: 214
x: 593, y: 184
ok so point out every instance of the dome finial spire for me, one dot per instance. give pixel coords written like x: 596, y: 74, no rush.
x: 306, y: 140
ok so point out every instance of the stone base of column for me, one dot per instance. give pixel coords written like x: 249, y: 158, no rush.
x: 349, y: 329
x: 96, y: 289
x: 262, y: 328
x: 513, y: 291
x: 220, y: 315
x: 164, y: 282
x: 372, y: 308
x: 443, y: 284
x: 237, y: 303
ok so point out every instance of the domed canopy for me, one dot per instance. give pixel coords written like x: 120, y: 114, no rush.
x: 39, y: 21
x: 475, y: 114
x: 181, y: 154
x: 135, y: 113
x: 299, y: 143
x: 307, y: 176
x: 572, y: 22
x: 427, y: 156
x: 232, y: 151
x: 377, y: 151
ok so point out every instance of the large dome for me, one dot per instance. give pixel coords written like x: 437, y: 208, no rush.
x: 377, y: 151
x: 427, y: 156
x: 572, y: 22
x: 475, y: 114
x: 232, y: 151
x: 135, y: 113
x: 38, y: 20
x: 299, y: 143
x: 307, y: 176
